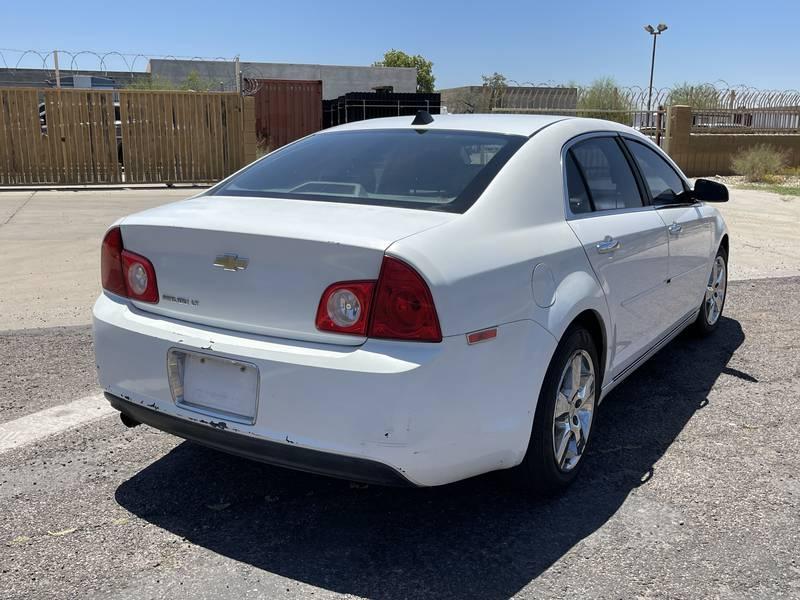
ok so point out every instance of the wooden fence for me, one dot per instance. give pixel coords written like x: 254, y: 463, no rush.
x: 87, y: 136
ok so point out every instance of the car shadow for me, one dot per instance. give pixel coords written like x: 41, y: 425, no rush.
x: 473, y: 539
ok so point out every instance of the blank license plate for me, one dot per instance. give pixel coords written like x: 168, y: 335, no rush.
x: 213, y: 385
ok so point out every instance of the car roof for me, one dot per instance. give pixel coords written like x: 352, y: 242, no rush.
x: 490, y: 123
x: 507, y: 124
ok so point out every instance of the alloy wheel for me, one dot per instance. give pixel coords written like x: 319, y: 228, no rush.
x: 574, y: 410
x: 715, y: 291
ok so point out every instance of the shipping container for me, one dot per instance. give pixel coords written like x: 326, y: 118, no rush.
x: 357, y: 106
x: 286, y: 110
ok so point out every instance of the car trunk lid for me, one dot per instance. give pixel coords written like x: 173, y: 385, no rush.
x: 274, y: 258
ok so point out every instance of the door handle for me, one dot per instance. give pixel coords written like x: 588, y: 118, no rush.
x: 675, y: 229
x: 608, y: 245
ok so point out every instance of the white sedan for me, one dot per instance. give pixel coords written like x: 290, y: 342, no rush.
x: 411, y: 302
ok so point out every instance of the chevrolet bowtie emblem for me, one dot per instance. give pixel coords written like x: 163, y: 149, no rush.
x: 231, y: 262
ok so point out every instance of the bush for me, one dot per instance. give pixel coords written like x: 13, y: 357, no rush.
x: 759, y: 163
x: 192, y: 83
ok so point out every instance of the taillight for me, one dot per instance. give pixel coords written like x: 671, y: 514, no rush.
x: 404, y: 308
x: 111, y: 274
x: 344, y: 307
x: 399, y: 306
x: 126, y: 273
x: 140, y: 277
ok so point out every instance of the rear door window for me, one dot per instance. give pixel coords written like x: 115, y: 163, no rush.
x: 579, y: 201
x: 610, y: 181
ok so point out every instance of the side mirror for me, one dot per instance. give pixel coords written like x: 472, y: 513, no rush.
x: 709, y: 191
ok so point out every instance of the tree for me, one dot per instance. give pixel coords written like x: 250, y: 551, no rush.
x: 195, y: 83
x: 154, y: 82
x: 603, y: 99
x: 701, y: 96
x: 494, y: 86
x: 398, y: 58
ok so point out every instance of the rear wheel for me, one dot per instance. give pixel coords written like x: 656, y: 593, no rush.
x: 714, y: 298
x: 564, y: 417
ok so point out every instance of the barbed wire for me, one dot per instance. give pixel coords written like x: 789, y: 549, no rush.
x: 101, y: 57
x: 133, y: 64
x: 717, y: 95
x: 518, y: 95
x: 72, y: 61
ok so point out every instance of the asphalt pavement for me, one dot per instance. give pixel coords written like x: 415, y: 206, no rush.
x: 690, y: 491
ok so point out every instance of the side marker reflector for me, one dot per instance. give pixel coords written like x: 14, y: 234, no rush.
x: 481, y: 336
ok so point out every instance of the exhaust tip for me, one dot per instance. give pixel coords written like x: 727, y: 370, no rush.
x: 128, y: 421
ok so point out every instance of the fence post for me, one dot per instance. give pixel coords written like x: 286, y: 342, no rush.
x: 659, y: 124
x: 55, y: 66
x: 677, y: 135
x: 248, y: 129
x: 237, y: 73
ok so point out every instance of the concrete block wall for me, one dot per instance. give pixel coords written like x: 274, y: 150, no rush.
x: 707, y: 154
x: 336, y: 79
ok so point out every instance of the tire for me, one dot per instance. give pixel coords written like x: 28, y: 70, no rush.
x: 716, y: 293
x: 541, y: 471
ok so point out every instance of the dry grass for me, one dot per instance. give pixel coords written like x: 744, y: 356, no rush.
x: 782, y: 190
x: 760, y: 163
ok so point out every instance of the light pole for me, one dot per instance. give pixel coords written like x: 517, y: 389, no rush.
x: 655, y: 32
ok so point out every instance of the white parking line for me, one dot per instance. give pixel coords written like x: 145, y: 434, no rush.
x: 30, y: 428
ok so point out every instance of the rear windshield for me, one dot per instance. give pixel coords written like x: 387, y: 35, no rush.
x: 431, y: 170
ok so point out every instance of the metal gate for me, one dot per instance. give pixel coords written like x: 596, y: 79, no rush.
x: 286, y: 110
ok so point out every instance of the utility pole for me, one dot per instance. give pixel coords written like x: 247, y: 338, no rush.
x: 655, y: 32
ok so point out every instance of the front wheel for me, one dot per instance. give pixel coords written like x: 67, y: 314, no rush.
x: 714, y: 298
x: 564, y: 417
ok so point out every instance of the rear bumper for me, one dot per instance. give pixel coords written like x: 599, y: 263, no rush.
x: 274, y: 453
x: 430, y: 413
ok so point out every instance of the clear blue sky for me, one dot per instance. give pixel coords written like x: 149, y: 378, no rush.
x: 752, y: 43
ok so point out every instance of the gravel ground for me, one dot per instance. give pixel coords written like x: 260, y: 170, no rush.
x: 691, y: 491
x: 43, y: 368
x: 736, y: 180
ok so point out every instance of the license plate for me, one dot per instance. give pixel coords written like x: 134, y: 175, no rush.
x: 213, y: 385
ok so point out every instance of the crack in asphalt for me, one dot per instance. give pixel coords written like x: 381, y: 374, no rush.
x: 19, y: 208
